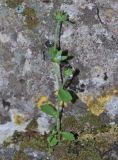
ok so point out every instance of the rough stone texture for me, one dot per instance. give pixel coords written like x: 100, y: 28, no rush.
x: 32, y: 155
x: 93, y: 40
x: 94, y: 44
x: 112, y: 154
x: 91, y: 37
x: 24, y: 75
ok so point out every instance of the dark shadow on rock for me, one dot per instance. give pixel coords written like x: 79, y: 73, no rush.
x: 74, y: 96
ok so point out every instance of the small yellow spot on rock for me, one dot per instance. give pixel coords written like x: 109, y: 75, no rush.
x: 41, y: 101
x: 86, y: 136
x: 96, y: 106
x: 109, y: 14
x: 18, y: 119
x: 30, y: 17
x: 98, y: 69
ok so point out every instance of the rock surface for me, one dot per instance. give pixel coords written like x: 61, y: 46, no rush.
x: 26, y: 32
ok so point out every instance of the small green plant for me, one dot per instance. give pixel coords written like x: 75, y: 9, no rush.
x: 63, y: 96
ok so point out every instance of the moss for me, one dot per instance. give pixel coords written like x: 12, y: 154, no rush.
x: 70, y: 123
x: 61, y: 152
x: 104, y: 145
x: 26, y: 140
x: 36, y: 142
x: 90, y: 128
x: 30, y: 17
x: 91, y: 119
x: 86, y: 124
x: 89, y: 152
x: 104, y: 141
x: 20, y: 155
x: 13, y: 3
x: 92, y: 124
x: 30, y: 139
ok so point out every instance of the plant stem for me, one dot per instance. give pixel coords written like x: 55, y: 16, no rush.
x: 57, y: 85
x: 57, y: 35
x: 59, y: 121
x: 57, y: 78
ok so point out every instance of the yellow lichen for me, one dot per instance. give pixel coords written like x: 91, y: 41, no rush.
x: 96, y: 105
x: 98, y: 68
x: 86, y: 136
x: 109, y: 14
x: 111, y: 132
x: 41, y: 101
x: 33, y: 125
x: 30, y: 17
x: 18, y: 119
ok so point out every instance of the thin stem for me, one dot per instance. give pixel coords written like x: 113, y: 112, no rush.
x: 57, y: 82
x: 59, y: 121
x: 57, y: 78
x: 57, y: 35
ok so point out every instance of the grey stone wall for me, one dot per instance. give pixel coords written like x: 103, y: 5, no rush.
x: 26, y: 30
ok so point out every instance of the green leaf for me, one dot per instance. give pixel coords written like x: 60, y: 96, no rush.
x: 49, y: 109
x: 52, y: 51
x: 63, y: 58
x: 54, y: 130
x: 64, y: 95
x: 55, y: 54
x: 68, y: 72
x: 67, y: 136
x: 58, y: 55
x: 52, y: 140
x: 60, y: 16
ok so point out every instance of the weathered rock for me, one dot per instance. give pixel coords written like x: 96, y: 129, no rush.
x: 8, y: 129
x: 91, y: 37
x: 29, y: 154
x: 112, y: 154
